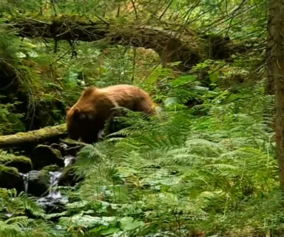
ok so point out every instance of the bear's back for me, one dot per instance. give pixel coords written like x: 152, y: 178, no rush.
x: 127, y: 95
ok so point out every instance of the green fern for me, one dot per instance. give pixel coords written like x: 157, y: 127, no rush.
x: 195, y: 173
x: 14, y: 220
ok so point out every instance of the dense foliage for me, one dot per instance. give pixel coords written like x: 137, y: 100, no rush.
x: 207, y: 168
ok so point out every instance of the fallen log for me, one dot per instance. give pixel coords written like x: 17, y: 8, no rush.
x: 33, y: 137
x: 188, y: 47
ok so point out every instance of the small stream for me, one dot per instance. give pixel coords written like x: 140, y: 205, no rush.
x: 26, y: 181
x: 54, y: 198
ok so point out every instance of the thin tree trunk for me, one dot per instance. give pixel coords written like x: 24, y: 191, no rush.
x: 275, y: 48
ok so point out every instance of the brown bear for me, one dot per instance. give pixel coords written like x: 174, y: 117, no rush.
x: 87, y: 118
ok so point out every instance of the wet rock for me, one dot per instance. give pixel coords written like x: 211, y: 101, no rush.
x: 68, y: 177
x: 73, y: 150
x: 61, y: 147
x: 10, y: 178
x: 44, y: 155
x: 38, y: 182
x: 69, y: 147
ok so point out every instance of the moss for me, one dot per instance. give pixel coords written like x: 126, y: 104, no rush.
x: 38, y: 182
x: 9, y: 177
x: 22, y: 163
x: 57, y: 153
x: 44, y: 177
x: 51, y: 168
x: 11, y: 170
x: 22, y: 159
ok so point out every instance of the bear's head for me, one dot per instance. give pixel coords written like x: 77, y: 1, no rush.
x: 80, y: 124
x: 86, y: 119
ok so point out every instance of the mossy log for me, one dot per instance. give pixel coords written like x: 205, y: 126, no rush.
x: 33, y: 137
x: 188, y: 47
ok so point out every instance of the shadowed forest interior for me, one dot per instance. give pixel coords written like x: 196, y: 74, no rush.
x: 209, y: 161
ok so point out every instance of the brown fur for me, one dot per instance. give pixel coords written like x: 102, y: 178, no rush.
x: 86, y: 119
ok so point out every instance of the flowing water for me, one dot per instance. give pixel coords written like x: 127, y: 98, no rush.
x: 69, y: 160
x: 54, y: 196
x: 26, y: 181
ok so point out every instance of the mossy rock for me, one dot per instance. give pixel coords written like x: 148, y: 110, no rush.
x: 68, y: 147
x: 51, y: 168
x: 44, y: 155
x: 22, y: 163
x: 38, y: 182
x: 10, y: 178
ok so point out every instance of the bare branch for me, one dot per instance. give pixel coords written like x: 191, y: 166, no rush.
x: 164, y: 12
x: 133, y: 5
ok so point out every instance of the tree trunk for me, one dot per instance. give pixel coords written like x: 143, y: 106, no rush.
x: 275, y: 49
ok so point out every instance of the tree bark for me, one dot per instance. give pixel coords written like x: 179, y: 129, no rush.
x: 275, y: 48
x: 33, y: 137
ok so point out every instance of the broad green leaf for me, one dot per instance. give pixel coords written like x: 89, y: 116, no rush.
x: 171, y: 101
x: 128, y: 223
x: 183, y: 80
x: 109, y: 231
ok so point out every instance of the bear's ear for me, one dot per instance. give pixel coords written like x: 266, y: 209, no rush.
x: 67, y: 109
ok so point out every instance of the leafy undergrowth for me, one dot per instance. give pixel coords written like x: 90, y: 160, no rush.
x: 210, y: 176
x: 213, y: 175
x: 14, y: 221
